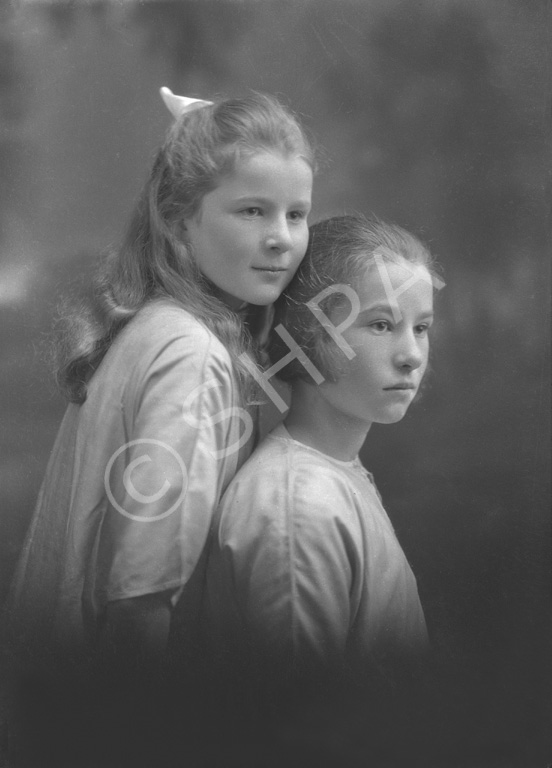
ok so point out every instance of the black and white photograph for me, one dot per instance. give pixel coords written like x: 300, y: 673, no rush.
x: 275, y: 384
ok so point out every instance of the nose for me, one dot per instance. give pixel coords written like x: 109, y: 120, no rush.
x: 411, y: 352
x: 278, y: 237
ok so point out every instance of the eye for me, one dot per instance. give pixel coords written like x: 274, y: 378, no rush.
x: 297, y: 215
x: 252, y: 211
x: 380, y: 326
x: 422, y: 329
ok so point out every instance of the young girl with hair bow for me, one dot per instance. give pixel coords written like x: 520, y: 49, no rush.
x: 158, y: 422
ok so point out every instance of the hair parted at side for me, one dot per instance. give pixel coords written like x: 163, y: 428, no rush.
x: 339, y: 251
x: 153, y: 260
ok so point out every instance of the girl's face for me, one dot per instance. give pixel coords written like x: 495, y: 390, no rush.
x: 390, y: 340
x: 250, y: 233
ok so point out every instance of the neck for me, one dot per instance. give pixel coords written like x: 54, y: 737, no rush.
x: 313, y: 421
x: 231, y: 301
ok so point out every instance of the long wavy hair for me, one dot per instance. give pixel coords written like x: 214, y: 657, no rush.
x: 339, y: 251
x: 153, y: 260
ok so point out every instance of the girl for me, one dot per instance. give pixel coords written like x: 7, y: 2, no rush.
x: 305, y: 568
x: 155, y: 429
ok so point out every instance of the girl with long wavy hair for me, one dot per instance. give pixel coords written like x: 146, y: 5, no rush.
x: 158, y: 421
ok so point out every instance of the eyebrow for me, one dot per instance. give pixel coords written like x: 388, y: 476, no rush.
x: 387, y: 308
x: 306, y: 203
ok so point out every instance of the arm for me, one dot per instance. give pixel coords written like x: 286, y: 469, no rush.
x: 164, y: 485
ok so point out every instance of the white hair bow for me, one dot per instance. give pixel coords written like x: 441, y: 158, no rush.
x: 179, y: 105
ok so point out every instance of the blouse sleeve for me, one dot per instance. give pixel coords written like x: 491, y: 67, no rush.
x: 163, y: 483
x: 290, y: 551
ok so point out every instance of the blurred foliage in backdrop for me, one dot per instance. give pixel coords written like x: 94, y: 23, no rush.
x: 433, y: 114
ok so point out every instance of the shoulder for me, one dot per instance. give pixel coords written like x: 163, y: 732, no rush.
x: 283, y: 479
x: 163, y: 333
x: 162, y: 321
x: 289, y: 518
x: 167, y: 352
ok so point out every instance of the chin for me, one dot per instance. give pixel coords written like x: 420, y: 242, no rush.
x: 265, y: 298
x: 392, y: 418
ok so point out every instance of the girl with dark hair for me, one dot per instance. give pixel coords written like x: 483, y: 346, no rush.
x: 305, y: 570
x: 158, y: 421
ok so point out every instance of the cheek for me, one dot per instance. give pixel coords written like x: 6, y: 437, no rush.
x: 227, y: 245
x: 426, y: 354
x: 425, y: 367
x: 300, y: 239
x: 357, y: 374
x: 304, y: 240
x: 423, y: 370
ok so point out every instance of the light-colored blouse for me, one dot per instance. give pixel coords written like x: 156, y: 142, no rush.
x: 133, y: 479
x: 304, y: 563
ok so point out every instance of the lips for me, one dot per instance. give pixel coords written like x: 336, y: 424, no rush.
x: 270, y: 269
x: 401, y: 386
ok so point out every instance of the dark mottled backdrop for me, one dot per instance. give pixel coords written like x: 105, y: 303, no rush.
x: 432, y: 113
